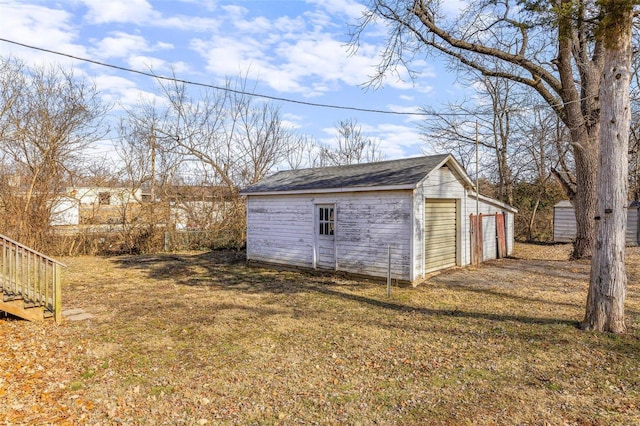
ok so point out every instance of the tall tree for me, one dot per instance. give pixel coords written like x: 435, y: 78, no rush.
x: 548, y: 46
x: 48, y: 116
x: 607, y: 288
x: 566, y: 70
x: 496, y: 109
x: 351, y: 146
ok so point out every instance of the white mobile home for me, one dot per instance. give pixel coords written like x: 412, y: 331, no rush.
x: 347, y: 218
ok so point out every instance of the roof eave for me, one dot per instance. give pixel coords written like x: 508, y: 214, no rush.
x: 493, y: 201
x: 332, y: 190
x: 457, y: 168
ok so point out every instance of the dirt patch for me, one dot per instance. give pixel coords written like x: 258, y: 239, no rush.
x: 199, y: 338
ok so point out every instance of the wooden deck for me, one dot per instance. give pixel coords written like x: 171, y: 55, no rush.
x: 30, y: 282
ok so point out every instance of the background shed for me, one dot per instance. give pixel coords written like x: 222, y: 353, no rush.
x: 564, y: 223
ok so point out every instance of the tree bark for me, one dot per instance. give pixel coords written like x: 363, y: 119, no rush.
x: 581, y: 118
x: 607, y: 287
x: 584, y: 199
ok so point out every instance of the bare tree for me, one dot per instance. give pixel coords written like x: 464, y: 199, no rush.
x: 559, y: 49
x: 545, y: 144
x: 48, y: 117
x: 351, y: 146
x: 634, y: 135
x: 304, y: 152
x: 519, y: 144
x: 212, y: 143
x: 239, y: 138
x: 495, y: 110
x: 549, y: 47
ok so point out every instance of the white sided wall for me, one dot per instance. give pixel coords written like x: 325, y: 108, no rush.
x: 564, y: 224
x: 489, y: 249
x: 633, y: 220
x: 281, y: 229
x: 368, y: 224
x: 440, y: 184
x: 565, y: 228
x: 64, y: 211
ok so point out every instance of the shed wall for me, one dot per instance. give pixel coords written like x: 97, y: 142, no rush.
x: 440, y: 184
x: 281, y: 229
x: 489, y: 241
x: 64, y: 211
x: 368, y: 224
x: 564, y: 225
x: 632, y: 236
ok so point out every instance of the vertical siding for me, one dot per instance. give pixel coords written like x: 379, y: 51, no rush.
x: 632, y: 227
x: 564, y: 224
x: 490, y: 244
x: 510, y: 234
x: 280, y: 229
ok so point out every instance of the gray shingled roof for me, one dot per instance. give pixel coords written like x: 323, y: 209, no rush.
x: 408, y: 171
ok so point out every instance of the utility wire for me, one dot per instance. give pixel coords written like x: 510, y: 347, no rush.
x: 212, y: 86
x: 276, y: 98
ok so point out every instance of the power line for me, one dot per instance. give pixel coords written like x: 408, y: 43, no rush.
x: 227, y: 89
x: 278, y: 98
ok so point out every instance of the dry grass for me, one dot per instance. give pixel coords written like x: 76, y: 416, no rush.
x: 200, y: 338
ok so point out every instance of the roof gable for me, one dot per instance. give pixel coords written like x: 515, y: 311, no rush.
x: 400, y: 174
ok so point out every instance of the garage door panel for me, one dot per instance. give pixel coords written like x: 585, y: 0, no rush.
x: 440, y: 234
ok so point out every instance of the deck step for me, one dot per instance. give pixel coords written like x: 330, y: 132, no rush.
x: 17, y: 308
x: 8, y: 297
x: 33, y: 304
x: 30, y: 282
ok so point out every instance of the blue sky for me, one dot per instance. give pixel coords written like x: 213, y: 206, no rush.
x: 290, y: 48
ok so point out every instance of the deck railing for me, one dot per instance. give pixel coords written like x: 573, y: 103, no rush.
x: 33, y: 277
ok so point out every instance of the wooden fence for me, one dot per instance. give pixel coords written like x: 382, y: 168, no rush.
x: 477, y: 239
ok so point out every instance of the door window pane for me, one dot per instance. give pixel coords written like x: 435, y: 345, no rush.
x: 326, y: 220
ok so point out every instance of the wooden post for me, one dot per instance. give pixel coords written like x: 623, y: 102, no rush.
x: 389, y: 272
x: 57, y: 308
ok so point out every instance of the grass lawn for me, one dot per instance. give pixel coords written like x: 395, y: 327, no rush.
x: 200, y: 338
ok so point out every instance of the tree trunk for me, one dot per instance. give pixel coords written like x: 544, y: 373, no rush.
x: 584, y: 200
x: 607, y: 287
x: 581, y: 118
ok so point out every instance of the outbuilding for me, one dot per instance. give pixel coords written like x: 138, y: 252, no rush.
x: 565, y: 229
x: 414, y: 215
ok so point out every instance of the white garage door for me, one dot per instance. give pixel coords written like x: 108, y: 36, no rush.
x: 440, y: 234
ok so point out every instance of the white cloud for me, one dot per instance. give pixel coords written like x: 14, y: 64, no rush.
x: 259, y: 25
x: 226, y: 56
x: 147, y: 63
x: 306, y: 55
x: 129, y: 11
x: 349, y: 8
x: 187, y: 23
x: 408, y: 110
x: 122, y: 93
x: 120, y: 45
x: 163, y: 46
x: 394, y: 140
x: 38, y: 26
